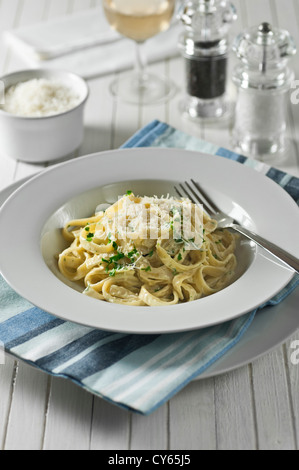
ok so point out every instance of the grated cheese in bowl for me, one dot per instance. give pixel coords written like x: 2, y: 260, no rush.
x: 40, y: 97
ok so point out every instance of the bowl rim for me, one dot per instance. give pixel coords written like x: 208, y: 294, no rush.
x: 31, y: 73
x: 169, y: 161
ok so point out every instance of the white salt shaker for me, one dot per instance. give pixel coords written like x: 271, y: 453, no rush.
x: 263, y: 80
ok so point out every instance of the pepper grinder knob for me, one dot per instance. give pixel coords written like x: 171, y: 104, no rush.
x: 265, y: 28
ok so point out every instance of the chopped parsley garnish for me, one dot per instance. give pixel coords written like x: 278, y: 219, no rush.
x: 90, y: 237
x: 133, y: 253
x: 151, y: 253
x: 148, y: 269
x: 180, y: 257
x: 87, y: 229
x: 115, y: 245
x: 129, y: 193
x: 116, y: 258
x: 117, y: 267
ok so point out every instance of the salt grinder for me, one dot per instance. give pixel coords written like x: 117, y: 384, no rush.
x: 204, y: 45
x: 263, y: 80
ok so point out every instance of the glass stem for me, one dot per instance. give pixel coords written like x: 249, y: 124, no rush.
x: 141, y: 65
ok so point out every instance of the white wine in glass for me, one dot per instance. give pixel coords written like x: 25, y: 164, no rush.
x: 140, y: 20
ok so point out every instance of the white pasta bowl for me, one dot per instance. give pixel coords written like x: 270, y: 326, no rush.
x: 45, y: 138
x: 29, y: 263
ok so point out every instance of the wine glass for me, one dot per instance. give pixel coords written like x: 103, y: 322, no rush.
x: 140, y: 20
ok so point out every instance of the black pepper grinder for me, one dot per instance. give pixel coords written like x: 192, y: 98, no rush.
x: 205, y: 47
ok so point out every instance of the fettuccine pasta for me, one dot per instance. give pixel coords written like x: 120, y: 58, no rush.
x: 138, y: 252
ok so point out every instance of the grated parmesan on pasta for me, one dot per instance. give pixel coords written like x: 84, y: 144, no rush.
x: 39, y: 98
x: 148, y: 251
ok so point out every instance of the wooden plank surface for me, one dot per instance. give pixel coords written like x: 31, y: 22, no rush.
x: 254, y: 407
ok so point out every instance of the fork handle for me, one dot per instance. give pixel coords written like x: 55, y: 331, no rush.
x: 278, y: 252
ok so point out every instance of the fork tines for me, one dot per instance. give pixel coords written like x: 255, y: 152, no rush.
x: 195, y: 193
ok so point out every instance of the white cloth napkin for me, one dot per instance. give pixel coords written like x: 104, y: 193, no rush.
x: 85, y: 44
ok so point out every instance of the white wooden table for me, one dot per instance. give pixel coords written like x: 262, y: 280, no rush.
x: 253, y: 407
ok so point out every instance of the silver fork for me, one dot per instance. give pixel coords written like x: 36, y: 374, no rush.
x: 196, y: 194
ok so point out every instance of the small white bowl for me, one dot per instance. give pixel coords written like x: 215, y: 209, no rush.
x: 43, y: 139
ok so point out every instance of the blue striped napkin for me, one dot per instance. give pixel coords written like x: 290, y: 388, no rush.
x: 135, y: 372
